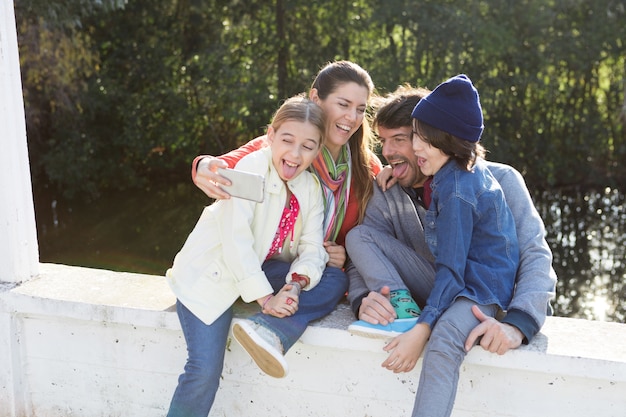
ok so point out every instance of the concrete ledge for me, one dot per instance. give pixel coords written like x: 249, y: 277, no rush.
x: 85, y: 342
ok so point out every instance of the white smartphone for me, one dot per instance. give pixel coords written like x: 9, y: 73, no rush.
x: 245, y: 185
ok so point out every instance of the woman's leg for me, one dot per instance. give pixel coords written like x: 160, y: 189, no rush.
x: 443, y: 356
x: 313, y: 305
x: 206, y: 344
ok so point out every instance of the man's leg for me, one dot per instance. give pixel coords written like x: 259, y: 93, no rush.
x: 381, y: 260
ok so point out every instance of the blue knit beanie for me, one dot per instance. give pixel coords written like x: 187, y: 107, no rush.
x: 453, y: 107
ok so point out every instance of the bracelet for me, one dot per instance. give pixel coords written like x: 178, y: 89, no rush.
x: 302, y: 280
x: 266, y: 300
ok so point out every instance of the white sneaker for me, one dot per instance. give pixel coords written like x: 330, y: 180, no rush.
x: 263, y: 346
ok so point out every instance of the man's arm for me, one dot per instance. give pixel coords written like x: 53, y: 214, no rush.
x: 536, y: 280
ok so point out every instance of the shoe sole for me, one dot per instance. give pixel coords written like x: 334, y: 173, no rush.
x: 265, y: 356
x: 378, y: 333
x: 372, y: 333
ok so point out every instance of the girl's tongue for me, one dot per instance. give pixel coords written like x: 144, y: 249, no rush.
x: 289, y: 170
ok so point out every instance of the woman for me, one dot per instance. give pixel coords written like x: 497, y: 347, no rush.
x: 345, y: 167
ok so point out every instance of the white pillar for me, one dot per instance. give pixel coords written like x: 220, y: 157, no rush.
x: 19, y: 252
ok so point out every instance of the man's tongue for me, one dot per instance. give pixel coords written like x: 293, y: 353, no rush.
x: 289, y: 171
x: 398, y: 170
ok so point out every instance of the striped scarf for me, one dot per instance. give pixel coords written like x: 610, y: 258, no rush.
x: 335, y: 180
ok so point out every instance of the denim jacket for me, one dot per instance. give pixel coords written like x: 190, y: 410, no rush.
x: 471, y: 233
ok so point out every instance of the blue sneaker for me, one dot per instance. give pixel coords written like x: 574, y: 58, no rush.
x: 378, y: 331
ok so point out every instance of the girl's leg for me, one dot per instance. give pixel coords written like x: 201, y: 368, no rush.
x: 443, y: 356
x: 314, y: 304
x: 206, y: 344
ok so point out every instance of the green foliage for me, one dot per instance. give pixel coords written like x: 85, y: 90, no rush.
x: 124, y: 94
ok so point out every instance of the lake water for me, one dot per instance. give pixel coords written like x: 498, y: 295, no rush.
x: 587, y: 234
x: 142, y: 231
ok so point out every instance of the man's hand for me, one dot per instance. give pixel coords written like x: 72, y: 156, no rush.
x: 207, y: 179
x: 336, y: 254
x: 376, y: 308
x: 496, y: 337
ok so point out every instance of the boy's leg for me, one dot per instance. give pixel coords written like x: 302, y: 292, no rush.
x: 442, y: 359
x: 206, y: 344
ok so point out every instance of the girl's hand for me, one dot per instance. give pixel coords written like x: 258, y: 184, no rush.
x: 336, y: 254
x: 208, y: 180
x: 283, y: 304
x: 384, y: 178
x: 406, y: 349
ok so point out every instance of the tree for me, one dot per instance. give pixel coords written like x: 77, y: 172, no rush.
x: 131, y: 94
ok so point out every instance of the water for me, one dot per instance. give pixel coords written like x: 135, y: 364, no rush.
x: 587, y: 234
x: 142, y: 231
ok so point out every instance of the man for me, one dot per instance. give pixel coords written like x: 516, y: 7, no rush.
x: 390, y: 258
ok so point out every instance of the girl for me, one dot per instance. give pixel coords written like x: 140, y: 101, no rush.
x: 471, y: 233
x: 237, y: 244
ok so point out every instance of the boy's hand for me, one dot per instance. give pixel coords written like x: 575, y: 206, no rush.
x: 385, y: 179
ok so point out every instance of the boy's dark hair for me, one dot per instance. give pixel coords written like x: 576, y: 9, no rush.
x: 462, y: 151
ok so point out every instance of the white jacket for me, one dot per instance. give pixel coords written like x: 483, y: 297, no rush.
x: 221, y: 259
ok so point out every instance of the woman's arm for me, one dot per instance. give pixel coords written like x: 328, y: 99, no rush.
x: 204, y: 168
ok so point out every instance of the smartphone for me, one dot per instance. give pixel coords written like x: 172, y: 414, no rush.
x: 244, y: 184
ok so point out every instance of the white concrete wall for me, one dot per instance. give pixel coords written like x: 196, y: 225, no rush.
x: 94, y: 343
x: 19, y: 256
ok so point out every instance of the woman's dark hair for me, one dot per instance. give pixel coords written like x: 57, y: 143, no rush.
x: 328, y: 80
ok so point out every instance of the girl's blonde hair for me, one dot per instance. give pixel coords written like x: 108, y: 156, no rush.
x: 328, y: 80
x: 301, y: 109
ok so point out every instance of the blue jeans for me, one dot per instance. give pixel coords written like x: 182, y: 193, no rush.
x: 206, y: 344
